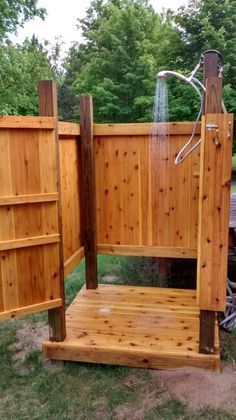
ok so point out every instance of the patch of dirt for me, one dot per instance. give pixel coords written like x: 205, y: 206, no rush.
x: 29, y: 338
x: 198, y: 388
x: 195, y: 388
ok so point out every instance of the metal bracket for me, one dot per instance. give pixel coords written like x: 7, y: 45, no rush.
x: 211, y: 126
x: 214, y: 127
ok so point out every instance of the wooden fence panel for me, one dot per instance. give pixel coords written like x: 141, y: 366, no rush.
x: 134, y: 207
x: 216, y: 161
x: 29, y: 238
x: 70, y: 169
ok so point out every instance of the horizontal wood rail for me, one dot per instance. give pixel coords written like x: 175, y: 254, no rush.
x: 68, y: 129
x: 25, y: 199
x: 27, y: 242
x: 143, y: 129
x: 73, y: 261
x: 55, y: 303
x: 147, y: 251
x: 28, y: 122
x: 71, y: 129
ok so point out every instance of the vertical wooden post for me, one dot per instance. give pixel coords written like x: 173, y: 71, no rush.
x: 89, y: 200
x: 212, y: 105
x: 163, y: 269
x: 47, y: 93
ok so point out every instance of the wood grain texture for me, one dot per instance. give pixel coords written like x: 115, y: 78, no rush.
x: 133, y: 208
x: 210, y: 64
x: 27, y: 122
x: 89, y: 199
x: 27, y: 310
x: 142, y: 129
x: 29, y: 256
x: 214, y: 212
x: 73, y: 261
x: 212, y: 103
x: 28, y: 242
x: 24, y: 199
x: 207, y: 332
x: 123, y: 194
x: 47, y: 98
x: 134, y: 326
x: 71, y: 185
x: 67, y: 129
x: 147, y: 251
x: 213, y: 95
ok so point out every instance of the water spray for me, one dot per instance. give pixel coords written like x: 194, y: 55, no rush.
x: 200, y: 89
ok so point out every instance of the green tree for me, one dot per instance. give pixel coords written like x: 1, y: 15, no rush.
x: 21, y: 67
x: 68, y: 100
x: 14, y: 13
x: 125, y: 43
x: 205, y: 24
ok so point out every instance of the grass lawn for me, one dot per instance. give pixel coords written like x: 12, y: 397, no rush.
x: 31, y: 388
x: 234, y: 162
x: 233, y: 185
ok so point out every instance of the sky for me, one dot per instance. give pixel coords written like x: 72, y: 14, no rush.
x: 61, y: 20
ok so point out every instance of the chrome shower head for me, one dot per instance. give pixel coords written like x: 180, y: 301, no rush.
x: 162, y: 74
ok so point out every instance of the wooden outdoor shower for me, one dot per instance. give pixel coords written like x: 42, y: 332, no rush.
x: 69, y: 191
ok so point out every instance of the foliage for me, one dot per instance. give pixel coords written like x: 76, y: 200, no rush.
x: 15, y: 12
x: 234, y: 162
x: 126, y: 43
x: 68, y: 101
x: 206, y: 24
x: 118, y: 61
x: 21, y: 67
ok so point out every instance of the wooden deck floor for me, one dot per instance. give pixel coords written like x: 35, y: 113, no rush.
x: 133, y: 326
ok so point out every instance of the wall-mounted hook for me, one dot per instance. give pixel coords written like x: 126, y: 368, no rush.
x: 214, y: 127
x: 229, y: 130
x: 216, y: 139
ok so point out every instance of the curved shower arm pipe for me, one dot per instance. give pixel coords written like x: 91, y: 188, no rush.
x: 193, y: 81
x: 190, y: 80
x: 166, y: 73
